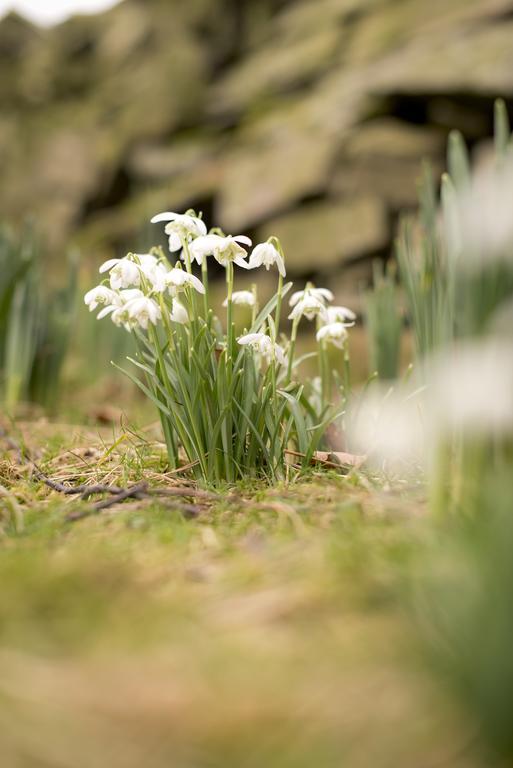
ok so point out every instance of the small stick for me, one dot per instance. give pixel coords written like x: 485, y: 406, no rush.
x: 133, y: 491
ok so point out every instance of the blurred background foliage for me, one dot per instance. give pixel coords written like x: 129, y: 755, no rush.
x: 301, y: 118
x: 305, y: 119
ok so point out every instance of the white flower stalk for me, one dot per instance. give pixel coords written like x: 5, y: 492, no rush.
x: 263, y: 344
x: 123, y: 273
x: 177, y: 280
x: 309, y: 306
x: 242, y: 298
x: 266, y: 255
x: 333, y: 333
x: 179, y: 313
x: 341, y: 315
x: 99, y: 296
x: 321, y: 294
x: 180, y: 227
x: 223, y: 249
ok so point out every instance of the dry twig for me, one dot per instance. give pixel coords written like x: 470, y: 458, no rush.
x: 115, y: 494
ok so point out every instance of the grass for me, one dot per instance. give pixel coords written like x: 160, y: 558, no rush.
x: 274, y: 629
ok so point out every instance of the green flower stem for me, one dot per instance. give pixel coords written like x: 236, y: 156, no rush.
x: 190, y: 412
x: 277, y: 316
x: 189, y: 291
x: 229, y: 309
x: 347, y: 370
x: 228, y: 425
x: 324, y: 373
x: 292, y: 347
x: 166, y: 426
x: 204, y: 276
x: 187, y: 254
x: 167, y: 321
x: 254, y: 309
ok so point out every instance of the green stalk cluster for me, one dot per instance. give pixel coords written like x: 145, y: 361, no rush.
x: 34, y: 325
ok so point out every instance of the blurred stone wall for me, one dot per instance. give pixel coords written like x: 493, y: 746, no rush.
x: 303, y: 118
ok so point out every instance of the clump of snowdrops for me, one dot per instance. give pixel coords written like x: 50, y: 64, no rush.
x: 234, y: 405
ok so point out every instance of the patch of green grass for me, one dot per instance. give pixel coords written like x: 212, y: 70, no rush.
x: 271, y: 630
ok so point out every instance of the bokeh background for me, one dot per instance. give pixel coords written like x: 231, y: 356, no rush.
x: 306, y: 119
x: 303, y: 118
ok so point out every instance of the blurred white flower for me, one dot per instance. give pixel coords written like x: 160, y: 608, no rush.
x: 321, y: 294
x: 223, y: 249
x: 468, y: 392
x: 333, y: 333
x: 340, y: 315
x: 265, y: 254
x: 243, y: 298
x: 180, y: 226
x: 389, y: 426
x: 122, y: 273
x: 179, y: 313
x: 484, y: 214
x: 177, y: 280
x: 265, y: 346
x: 308, y: 305
x: 100, y: 295
x: 471, y: 388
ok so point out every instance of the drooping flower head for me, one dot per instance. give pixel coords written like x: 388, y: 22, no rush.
x: 117, y: 309
x: 242, y: 298
x: 341, y: 315
x: 180, y: 227
x: 123, y: 273
x: 265, y: 254
x: 177, y: 280
x: 101, y: 295
x: 311, y: 302
x: 152, y: 270
x: 333, y: 333
x: 263, y: 344
x: 321, y: 294
x: 223, y: 249
x: 179, y: 313
x: 142, y: 311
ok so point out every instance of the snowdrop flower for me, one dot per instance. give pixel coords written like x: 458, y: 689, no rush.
x: 177, y: 280
x: 265, y: 254
x: 99, y: 295
x: 321, y: 294
x: 179, y: 313
x: 265, y: 346
x: 223, y: 249
x: 117, y: 308
x: 180, y: 226
x: 309, y: 306
x: 340, y: 315
x: 152, y: 269
x: 142, y: 311
x: 333, y: 333
x: 122, y: 272
x: 129, y: 294
x: 243, y: 298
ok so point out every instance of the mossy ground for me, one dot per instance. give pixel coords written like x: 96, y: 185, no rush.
x: 274, y: 628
